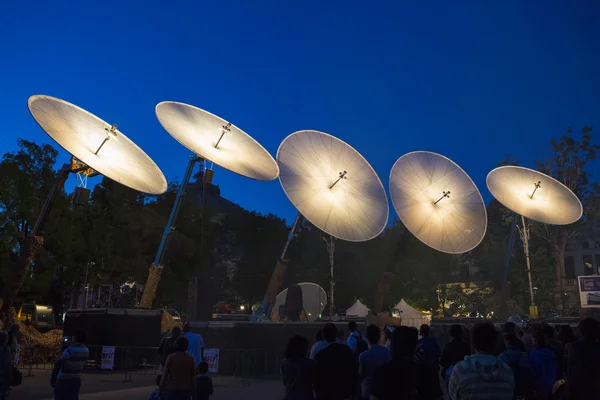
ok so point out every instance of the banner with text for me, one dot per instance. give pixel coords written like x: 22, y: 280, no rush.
x: 589, y: 291
x: 212, y: 358
x: 108, y: 357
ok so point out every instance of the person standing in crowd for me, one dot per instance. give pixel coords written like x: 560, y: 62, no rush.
x: 355, y: 340
x: 319, y: 345
x: 454, y: 352
x: 429, y: 351
x: 510, y: 328
x: 297, y: 371
x: 388, y: 337
x: 515, y: 357
x: 551, y: 339
x: 482, y: 375
x: 195, y: 346
x: 583, y: 367
x: 428, y: 359
x: 68, y: 369
x: 370, y: 360
x: 204, y: 385
x: 528, y: 336
x: 336, y: 376
x: 399, y: 378
x: 566, y: 337
x: 167, y: 347
x: 179, y: 379
x: 13, y: 342
x: 340, y: 336
x: 5, y: 366
x: 545, y: 365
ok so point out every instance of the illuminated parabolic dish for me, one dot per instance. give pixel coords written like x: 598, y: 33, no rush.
x: 332, y: 186
x: 534, y: 195
x: 217, y: 140
x: 438, y: 202
x: 314, y: 300
x: 98, y: 144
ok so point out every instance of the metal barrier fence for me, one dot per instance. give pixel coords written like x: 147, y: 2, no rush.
x: 242, y: 363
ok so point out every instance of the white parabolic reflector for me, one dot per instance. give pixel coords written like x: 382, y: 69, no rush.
x: 314, y: 300
x: 438, y: 202
x: 216, y: 140
x: 82, y: 134
x: 332, y: 186
x: 534, y: 195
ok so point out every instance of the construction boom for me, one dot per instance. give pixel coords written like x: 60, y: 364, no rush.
x: 156, y: 269
x: 263, y: 312
x: 34, y: 239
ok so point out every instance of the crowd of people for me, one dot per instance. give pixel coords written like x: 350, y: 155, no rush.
x: 540, y: 362
x: 182, y: 371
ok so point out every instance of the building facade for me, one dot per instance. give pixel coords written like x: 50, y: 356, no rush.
x: 582, y: 258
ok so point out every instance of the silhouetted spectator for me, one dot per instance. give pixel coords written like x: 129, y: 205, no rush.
x: 297, y: 371
x: 179, y: 379
x: 336, y: 369
x: 566, y: 337
x: 340, y: 336
x: 482, y: 375
x: 5, y: 365
x: 454, y: 352
x: 68, y: 368
x: 355, y: 340
x: 510, y: 328
x: 428, y: 357
x: 319, y: 345
x: 584, y: 367
x: 544, y: 364
x: 167, y: 347
x: 527, y: 338
x: 400, y: 378
x: 204, y: 385
x: 370, y: 360
x: 388, y: 336
x: 517, y: 359
x: 13, y: 342
x: 195, y: 344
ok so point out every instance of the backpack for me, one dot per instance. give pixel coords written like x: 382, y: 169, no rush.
x: 361, y: 345
x: 523, y: 378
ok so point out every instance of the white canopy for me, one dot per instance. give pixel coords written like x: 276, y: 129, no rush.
x: 358, y: 309
x: 411, y: 316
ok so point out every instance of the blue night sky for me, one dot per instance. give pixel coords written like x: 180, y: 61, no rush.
x: 471, y: 80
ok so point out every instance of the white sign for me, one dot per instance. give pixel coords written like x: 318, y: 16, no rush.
x: 211, y: 356
x: 589, y: 291
x: 108, y: 357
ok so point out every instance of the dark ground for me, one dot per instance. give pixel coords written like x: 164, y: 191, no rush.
x: 112, y: 386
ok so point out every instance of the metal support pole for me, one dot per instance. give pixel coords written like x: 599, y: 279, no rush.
x: 525, y: 236
x: 505, y: 285
x: 175, y: 210
x: 331, y: 250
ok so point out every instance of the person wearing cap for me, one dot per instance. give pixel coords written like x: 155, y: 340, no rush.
x: 195, y: 344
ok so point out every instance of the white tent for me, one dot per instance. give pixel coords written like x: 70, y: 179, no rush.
x: 411, y: 316
x: 358, y: 309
